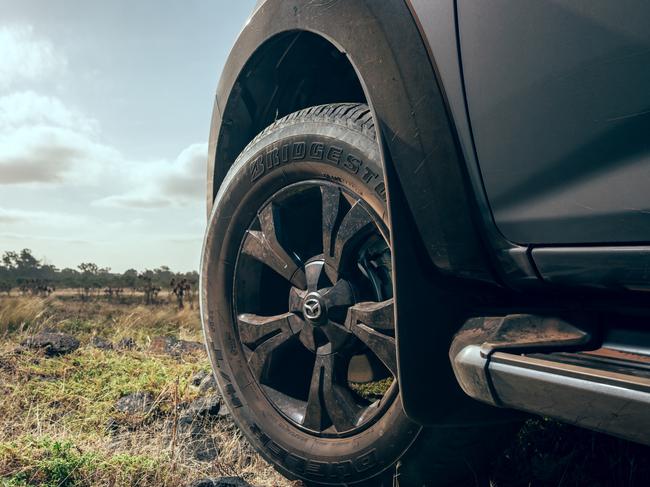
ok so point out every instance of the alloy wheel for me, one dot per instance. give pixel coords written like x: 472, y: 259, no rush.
x: 314, y: 308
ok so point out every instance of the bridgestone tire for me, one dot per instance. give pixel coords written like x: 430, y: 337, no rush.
x: 335, y: 143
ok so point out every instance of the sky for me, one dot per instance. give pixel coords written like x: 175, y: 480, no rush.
x: 105, y: 113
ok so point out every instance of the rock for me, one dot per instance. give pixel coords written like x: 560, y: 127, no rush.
x: 193, y: 437
x: 220, y: 482
x: 224, y: 412
x: 173, y: 346
x: 230, y: 482
x: 204, y: 407
x: 205, y: 449
x: 202, y: 483
x: 161, y: 345
x: 136, y: 403
x: 112, y: 426
x: 191, y: 426
x: 186, y: 426
x: 52, y: 343
x: 208, y: 384
x: 185, y: 346
x: 100, y: 343
x: 127, y: 343
x: 197, y: 378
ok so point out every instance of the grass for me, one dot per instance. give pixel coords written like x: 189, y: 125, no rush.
x: 55, y: 426
x: 56, y: 412
x: 19, y: 314
x: 52, y: 463
x: 372, y: 390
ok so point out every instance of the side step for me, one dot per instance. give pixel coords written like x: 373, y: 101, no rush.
x: 548, y: 366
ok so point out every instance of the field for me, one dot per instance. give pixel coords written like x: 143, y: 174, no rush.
x: 63, y: 423
x: 59, y: 424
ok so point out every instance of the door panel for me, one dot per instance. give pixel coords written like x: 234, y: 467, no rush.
x: 558, y: 94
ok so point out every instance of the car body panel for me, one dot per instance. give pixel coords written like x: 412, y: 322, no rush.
x: 558, y: 98
x: 437, y: 23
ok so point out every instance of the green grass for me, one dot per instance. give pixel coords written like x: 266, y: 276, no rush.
x: 78, y: 391
x: 372, y: 390
x: 56, y: 410
x: 51, y: 463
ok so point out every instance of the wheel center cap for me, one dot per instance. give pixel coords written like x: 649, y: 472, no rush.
x: 313, y: 308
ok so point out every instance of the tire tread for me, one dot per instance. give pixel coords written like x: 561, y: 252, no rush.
x: 356, y: 116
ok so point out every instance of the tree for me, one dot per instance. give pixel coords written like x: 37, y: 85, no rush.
x: 5, y: 287
x: 89, y: 279
x: 27, y: 262
x: 69, y: 278
x: 181, y: 289
x: 10, y: 260
x: 21, y: 270
x: 149, y: 289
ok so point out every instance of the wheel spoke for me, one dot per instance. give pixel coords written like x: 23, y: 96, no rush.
x: 331, y: 207
x: 340, y: 295
x: 365, y: 320
x: 314, y: 416
x: 383, y: 346
x: 337, y: 335
x: 314, y: 273
x: 375, y: 315
x: 253, y: 328
x: 328, y: 399
x: 264, y: 246
x: 341, y: 229
x: 342, y: 409
x: 260, y: 358
x: 295, y: 299
x: 307, y: 338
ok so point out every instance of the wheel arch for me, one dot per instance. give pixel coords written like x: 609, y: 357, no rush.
x: 268, y: 86
x: 375, y: 53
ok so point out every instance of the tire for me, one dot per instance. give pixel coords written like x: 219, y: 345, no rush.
x: 289, y: 368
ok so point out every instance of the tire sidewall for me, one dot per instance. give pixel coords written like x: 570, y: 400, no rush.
x: 291, y: 153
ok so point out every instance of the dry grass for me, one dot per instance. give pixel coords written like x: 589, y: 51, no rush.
x: 55, y: 411
x: 18, y: 314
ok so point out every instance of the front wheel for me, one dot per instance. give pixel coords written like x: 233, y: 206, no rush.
x: 297, y: 300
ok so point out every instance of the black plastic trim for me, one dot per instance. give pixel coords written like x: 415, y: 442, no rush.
x: 613, y: 268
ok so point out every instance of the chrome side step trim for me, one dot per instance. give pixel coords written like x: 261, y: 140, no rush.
x: 612, y: 402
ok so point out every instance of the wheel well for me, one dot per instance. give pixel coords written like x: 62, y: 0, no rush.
x: 291, y: 71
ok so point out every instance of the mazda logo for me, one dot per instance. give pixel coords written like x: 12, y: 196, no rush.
x: 312, y: 308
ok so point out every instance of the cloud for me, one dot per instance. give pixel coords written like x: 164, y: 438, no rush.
x: 23, y: 57
x: 186, y: 180
x: 163, y: 184
x: 134, y: 200
x: 11, y: 216
x: 47, y: 154
x: 27, y: 108
x: 43, y: 141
